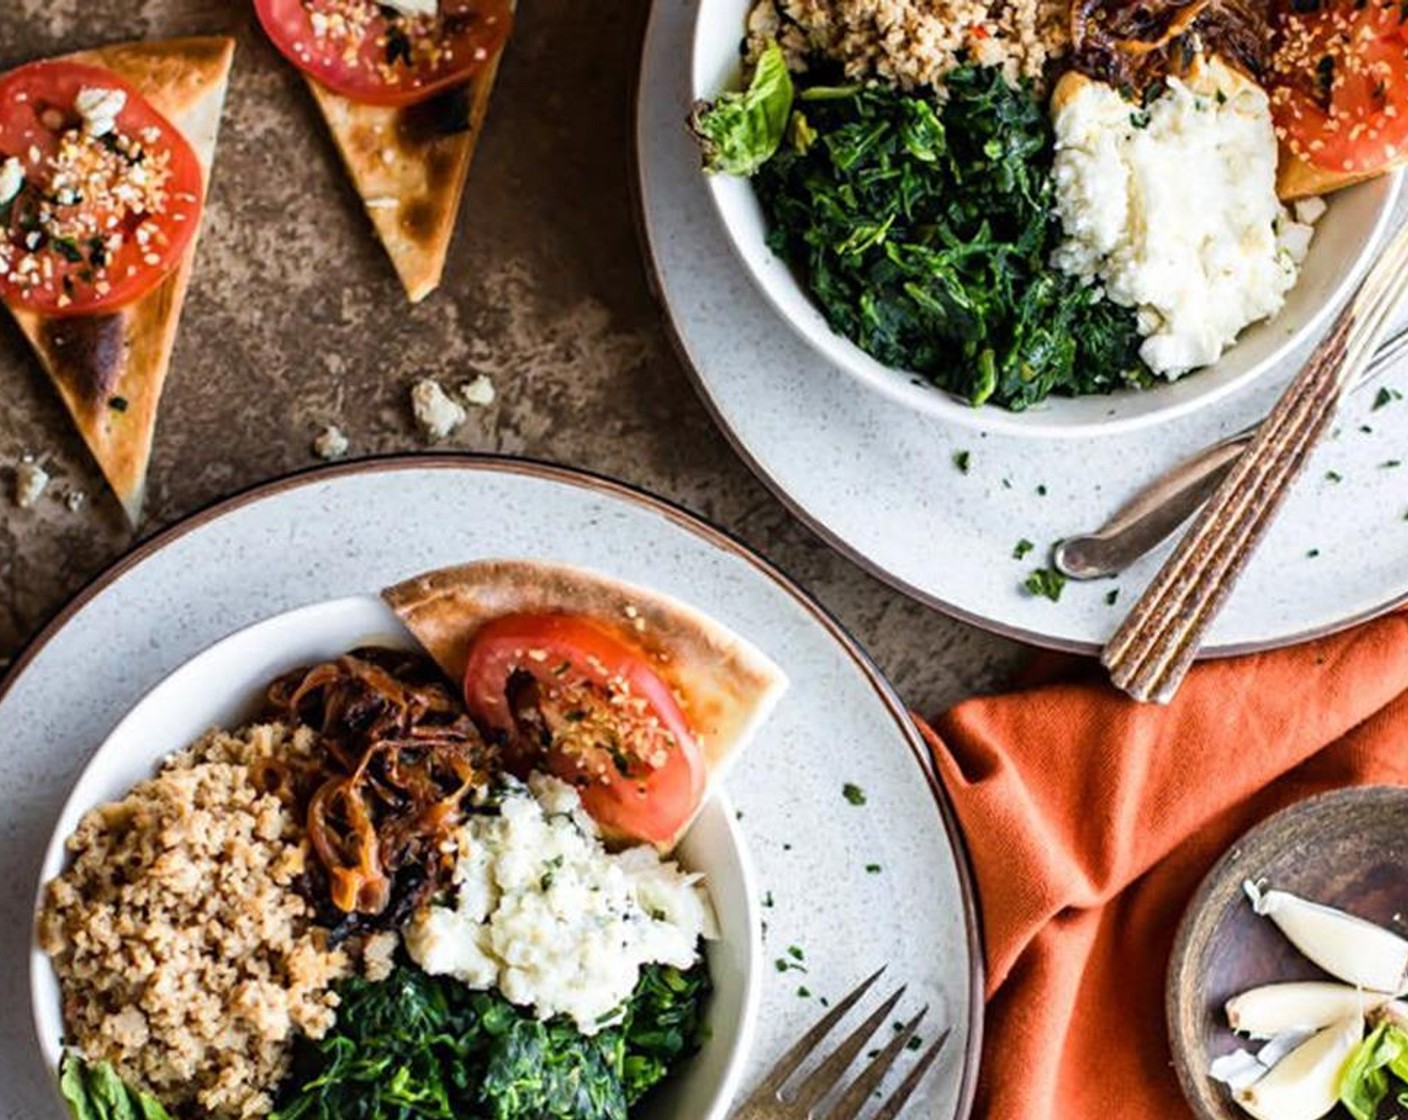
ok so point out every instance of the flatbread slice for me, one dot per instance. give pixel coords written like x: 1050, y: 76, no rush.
x: 123, y: 356
x: 410, y: 165
x: 727, y: 687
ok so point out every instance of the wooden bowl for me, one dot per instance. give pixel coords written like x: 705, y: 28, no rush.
x: 1345, y: 849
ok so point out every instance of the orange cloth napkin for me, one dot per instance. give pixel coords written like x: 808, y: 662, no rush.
x: 1092, y: 819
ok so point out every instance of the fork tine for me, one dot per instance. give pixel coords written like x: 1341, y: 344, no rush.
x: 822, y: 1079
x: 789, y: 1063
x: 849, y: 1105
x: 900, y: 1097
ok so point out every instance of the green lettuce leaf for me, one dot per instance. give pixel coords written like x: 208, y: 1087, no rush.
x: 740, y: 131
x: 1365, y: 1081
x: 96, y: 1092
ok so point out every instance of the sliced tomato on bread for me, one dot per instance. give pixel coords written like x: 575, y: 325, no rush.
x: 105, y: 157
x: 404, y: 97
x: 1339, y: 93
x: 639, y: 701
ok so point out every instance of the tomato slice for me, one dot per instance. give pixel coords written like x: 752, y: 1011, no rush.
x: 371, y: 53
x: 567, y: 692
x: 1339, y: 82
x: 94, y: 211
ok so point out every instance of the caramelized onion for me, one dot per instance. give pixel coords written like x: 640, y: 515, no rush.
x: 401, y: 760
x: 1135, y: 44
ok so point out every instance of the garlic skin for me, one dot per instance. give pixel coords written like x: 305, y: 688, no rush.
x: 1305, y: 1084
x: 1348, y: 948
x: 1275, y: 1009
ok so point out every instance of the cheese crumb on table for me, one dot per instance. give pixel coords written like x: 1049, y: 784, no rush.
x: 437, y: 413
x: 31, y: 480
x: 479, y: 392
x: 331, y: 443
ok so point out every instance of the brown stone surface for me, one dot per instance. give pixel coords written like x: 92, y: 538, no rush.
x: 295, y: 320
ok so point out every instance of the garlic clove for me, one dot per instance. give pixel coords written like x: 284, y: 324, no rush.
x: 1305, y: 1084
x: 1347, y: 947
x: 1274, y: 1009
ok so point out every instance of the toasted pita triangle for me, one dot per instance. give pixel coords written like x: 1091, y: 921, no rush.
x: 409, y: 172
x: 125, y: 354
x: 726, y: 686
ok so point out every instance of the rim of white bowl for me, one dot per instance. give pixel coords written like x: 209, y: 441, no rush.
x: 913, y: 391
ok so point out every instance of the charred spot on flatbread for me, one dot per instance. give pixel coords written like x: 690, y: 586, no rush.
x: 86, y: 353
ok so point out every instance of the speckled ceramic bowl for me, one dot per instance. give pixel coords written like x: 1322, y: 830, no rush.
x: 222, y: 688
x: 1345, y: 241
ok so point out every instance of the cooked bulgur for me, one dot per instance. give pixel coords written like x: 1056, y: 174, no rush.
x: 184, y: 957
x: 914, y: 42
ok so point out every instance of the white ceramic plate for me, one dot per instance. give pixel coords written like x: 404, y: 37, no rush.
x: 224, y: 686
x: 1344, y: 242
x: 339, y: 531
x: 877, y: 479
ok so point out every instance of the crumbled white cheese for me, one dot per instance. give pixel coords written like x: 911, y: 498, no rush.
x: 546, y: 914
x: 331, y: 443
x: 31, y: 480
x: 1172, y: 208
x: 437, y: 413
x: 479, y: 392
x: 412, y: 7
x: 99, y: 109
x: 1310, y: 210
x: 74, y: 500
x: 11, y: 180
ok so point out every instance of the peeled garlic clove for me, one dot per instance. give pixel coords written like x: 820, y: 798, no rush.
x: 1352, y: 949
x: 1305, y: 1084
x: 1277, y: 1008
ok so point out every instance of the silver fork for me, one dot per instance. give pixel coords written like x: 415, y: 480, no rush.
x: 771, y: 1101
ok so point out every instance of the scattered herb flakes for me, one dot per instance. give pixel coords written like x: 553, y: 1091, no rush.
x: 1041, y: 490
x: 1023, y: 547
x: 1112, y: 597
x: 871, y: 1055
x: 1386, y: 396
x: 796, y: 953
x: 962, y: 460
x: 786, y: 847
x: 1391, y: 464
x: 803, y: 992
x: 824, y: 1001
x: 1368, y: 431
x: 117, y: 404
x: 738, y: 814
x: 872, y: 869
x: 1333, y: 476
x: 853, y: 793
x: 768, y: 900
x: 782, y: 964
x: 1313, y: 553
x: 1046, y: 583
x: 914, y: 1043
x: 1007, y: 484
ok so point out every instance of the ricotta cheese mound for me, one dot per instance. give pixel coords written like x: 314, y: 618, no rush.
x: 1172, y: 208
x: 545, y: 914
